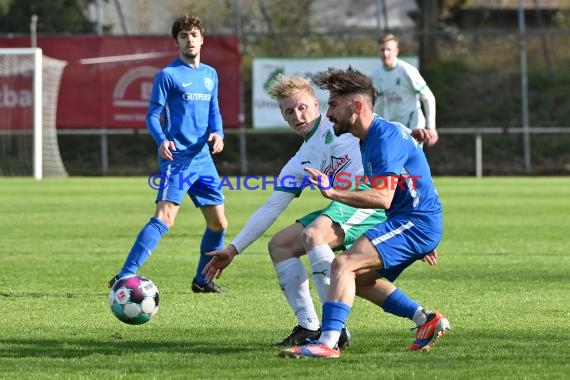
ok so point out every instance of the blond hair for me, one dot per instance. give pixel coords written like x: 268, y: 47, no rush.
x: 284, y: 86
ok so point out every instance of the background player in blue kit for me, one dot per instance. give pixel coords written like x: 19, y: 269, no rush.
x: 183, y: 117
x: 413, y: 228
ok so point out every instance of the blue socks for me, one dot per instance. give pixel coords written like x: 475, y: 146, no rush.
x: 211, y: 240
x: 397, y: 303
x: 400, y: 304
x: 148, y: 239
x: 145, y: 243
x: 334, y: 316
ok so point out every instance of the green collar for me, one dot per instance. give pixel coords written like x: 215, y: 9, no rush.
x: 392, y: 67
x: 314, y: 129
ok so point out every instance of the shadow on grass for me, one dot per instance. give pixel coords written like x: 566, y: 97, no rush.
x: 49, y: 348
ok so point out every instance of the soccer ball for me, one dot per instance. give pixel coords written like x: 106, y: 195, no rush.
x: 134, y: 300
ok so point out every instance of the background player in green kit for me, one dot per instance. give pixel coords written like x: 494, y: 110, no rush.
x: 402, y: 91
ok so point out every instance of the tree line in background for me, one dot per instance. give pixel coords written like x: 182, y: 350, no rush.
x: 56, y: 16
x: 272, y: 18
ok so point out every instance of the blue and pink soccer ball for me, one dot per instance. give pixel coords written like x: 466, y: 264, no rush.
x: 134, y: 300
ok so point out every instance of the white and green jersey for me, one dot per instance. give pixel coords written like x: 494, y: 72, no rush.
x: 334, y: 156
x: 400, y: 89
x: 338, y: 157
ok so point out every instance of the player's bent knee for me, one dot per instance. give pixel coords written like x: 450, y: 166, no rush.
x: 278, y: 251
x: 308, y: 237
x: 166, y: 219
x: 218, y: 225
x: 274, y: 248
x: 315, y: 235
x: 166, y: 211
x: 341, y: 264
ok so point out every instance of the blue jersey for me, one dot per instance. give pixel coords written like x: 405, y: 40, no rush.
x: 184, y: 108
x: 390, y: 151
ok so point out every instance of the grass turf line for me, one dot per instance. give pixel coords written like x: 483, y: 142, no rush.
x: 502, y: 280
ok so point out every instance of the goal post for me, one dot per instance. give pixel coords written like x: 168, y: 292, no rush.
x: 38, y: 106
x: 37, y: 112
x: 29, y: 86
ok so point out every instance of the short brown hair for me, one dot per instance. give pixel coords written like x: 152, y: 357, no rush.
x: 187, y: 23
x: 345, y: 82
x: 387, y: 37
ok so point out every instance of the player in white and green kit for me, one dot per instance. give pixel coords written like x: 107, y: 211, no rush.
x: 318, y: 233
x: 340, y: 158
x: 402, y: 90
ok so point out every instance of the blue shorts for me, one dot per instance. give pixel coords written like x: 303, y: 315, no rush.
x: 402, y: 240
x: 198, y: 178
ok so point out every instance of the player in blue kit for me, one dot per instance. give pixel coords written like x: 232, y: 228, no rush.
x: 185, y: 121
x: 402, y: 185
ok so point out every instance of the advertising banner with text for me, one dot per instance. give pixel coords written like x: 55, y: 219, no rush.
x: 107, y: 80
x: 266, y: 113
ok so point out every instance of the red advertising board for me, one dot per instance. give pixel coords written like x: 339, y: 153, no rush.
x: 107, y: 80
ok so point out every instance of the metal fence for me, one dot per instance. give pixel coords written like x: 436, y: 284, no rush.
x: 475, y: 151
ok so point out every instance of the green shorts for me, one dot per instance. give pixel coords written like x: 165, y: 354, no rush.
x: 354, y: 221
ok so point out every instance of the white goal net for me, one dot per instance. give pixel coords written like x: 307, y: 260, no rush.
x: 29, y: 87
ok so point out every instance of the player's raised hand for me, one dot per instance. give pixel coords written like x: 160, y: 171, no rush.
x: 221, y: 258
x: 433, y: 138
x: 321, y: 181
x: 216, y: 142
x: 165, y: 150
x: 430, y: 258
x: 421, y: 135
x: 429, y: 136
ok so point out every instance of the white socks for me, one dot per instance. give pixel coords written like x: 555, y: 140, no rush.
x: 321, y: 257
x: 420, y: 317
x: 329, y: 338
x: 295, y: 285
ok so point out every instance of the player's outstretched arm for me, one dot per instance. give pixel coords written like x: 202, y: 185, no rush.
x: 221, y: 258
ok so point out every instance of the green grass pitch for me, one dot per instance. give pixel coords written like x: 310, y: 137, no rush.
x: 503, y: 280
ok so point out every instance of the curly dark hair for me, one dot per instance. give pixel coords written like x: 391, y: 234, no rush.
x: 187, y: 23
x: 344, y: 82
